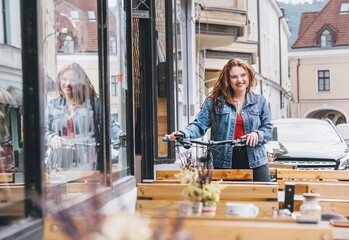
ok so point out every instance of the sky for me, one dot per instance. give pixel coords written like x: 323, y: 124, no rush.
x: 295, y: 1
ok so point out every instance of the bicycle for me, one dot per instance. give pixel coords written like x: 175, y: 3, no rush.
x: 207, y: 158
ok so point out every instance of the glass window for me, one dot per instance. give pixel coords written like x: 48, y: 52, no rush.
x: 112, y: 45
x: 74, y: 15
x: 114, y: 85
x: 68, y: 44
x: 11, y: 115
x: 91, y: 16
x: 118, y: 71
x: 5, y: 34
x: 310, y: 132
x: 326, y: 39
x: 344, y: 8
x: 160, y: 26
x: 73, y: 105
x: 324, y: 80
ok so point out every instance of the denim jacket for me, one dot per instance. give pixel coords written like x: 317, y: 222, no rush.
x: 56, y: 117
x: 256, y: 118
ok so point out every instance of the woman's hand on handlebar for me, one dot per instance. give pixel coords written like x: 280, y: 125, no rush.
x: 56, y: 142
x: 251, y: 139
x: 172, y: 136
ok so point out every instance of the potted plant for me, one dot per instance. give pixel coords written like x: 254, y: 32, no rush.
x: 204, y: 191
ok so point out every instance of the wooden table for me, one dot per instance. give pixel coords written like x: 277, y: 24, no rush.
x: 249, y: 228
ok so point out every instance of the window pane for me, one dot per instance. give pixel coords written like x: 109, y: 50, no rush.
x: 329, y: 41
x: 118, y: 70
x: 344, y: 8
x: 327, y: 73
x: 321, y: 84
x: 321, y: 73
x: 73, y: 110
x: 323, y: 41
x: 91, y: 15
x: 327, y: 84
x: 74, y: 15
x: 160, y: 26
x: 11, y: 115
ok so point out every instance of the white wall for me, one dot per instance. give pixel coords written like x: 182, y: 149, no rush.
x: 270, y: 52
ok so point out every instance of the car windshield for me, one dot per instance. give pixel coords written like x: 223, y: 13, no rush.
x: 344, y: 130
x: 305, y: 132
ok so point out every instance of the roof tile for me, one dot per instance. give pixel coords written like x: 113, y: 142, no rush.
x: 311, y: 23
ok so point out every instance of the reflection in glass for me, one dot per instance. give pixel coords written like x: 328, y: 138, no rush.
x: 118, y: 81
x: 70, y: 122
x: 73, y: 108
x: 11, y: 114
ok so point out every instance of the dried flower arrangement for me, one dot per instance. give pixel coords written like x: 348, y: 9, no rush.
x: 271, y: 157
x: 189, y: 165
x: 88, y: 222
x: 203, y: 190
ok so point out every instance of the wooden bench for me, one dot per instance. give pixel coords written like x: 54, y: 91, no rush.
x: 334, y: 198
x: 81, y: 176
x: 7, y: 177
x: 273, y: 167
x: 173, y: 181
x: 153, y: 198
x: 231, y: 174
x: 212, y: 228
x: 12, y: 197
x: 316, y: 176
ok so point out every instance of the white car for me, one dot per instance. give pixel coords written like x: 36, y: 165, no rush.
x: 312, y: 144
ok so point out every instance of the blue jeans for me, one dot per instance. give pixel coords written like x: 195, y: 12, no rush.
x: 240, y: 161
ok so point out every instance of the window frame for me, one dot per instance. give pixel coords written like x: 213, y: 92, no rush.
x: 33, y: 102
x: 341, y: 9
x: 114, y: 83
x: 324, y: 78
x: 94, y: 19
x: 326, y: 38
x: 170, y: 88
x: 5, y: 8
x: 68, y: 45
x: 332, y: 33
x: 75, y: 18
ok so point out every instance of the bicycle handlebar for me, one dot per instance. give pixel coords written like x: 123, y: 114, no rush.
x: 182, y: 141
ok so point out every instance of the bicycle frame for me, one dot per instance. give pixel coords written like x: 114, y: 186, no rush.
x: 207, y: 158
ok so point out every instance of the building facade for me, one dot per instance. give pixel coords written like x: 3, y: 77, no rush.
x: 319, y: 63
x: 151, y: 64
x: 268, y: 26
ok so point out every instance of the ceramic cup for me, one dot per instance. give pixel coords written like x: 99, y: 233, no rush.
x: 185, y: 208
x: 246, y: 210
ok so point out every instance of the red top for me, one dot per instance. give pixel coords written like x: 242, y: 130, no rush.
x: 69, y: 131
x: 239, y: 128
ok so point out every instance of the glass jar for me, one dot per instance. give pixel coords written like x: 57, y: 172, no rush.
x: 310, y: 208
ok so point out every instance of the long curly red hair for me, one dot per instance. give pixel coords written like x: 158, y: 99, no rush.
x: 81, y: 98
x: 223, y: 86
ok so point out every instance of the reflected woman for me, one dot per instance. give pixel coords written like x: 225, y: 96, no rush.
x: 73, y: 121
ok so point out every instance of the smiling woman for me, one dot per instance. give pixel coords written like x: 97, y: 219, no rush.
x: 233, y: 111
x: 73, y: 121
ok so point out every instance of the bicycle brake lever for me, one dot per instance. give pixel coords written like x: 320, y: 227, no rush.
x: 185, y: 144
x: 179, y: 137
